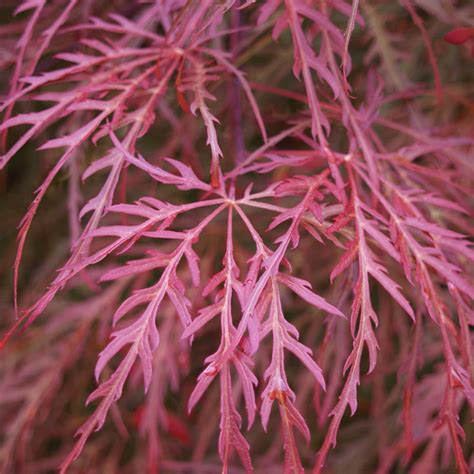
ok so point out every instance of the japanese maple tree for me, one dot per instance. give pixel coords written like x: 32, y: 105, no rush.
x: 245, y: 242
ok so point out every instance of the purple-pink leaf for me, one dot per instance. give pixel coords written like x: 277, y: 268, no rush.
x: 303, y: 289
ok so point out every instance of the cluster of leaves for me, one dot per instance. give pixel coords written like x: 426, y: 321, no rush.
x: 258, y: 209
